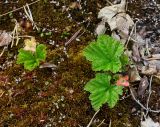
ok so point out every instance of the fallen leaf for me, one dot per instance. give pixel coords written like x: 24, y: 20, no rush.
x: 109, y: 12
x: 155, y: 62
x: 139, y: 39
x: 30, y: 44
x: 134, y: 74
x: 140, y: 36
x: 143, y: 85
x: 116, y: 17
x: 48, y: 65
x: 101, y: 29
x: 116, y: 36
x: 135, y: 51
x: 149, y: 70
x: 156, y: 56
x: 149, y: 123
x: 5, y: 38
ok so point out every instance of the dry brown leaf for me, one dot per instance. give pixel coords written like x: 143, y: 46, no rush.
x: 156, y: 63
x: 149, y: 70
x: 115, y: 35
x: 135, y: 52
x: 134, y: 74
x: 30, y: 44
x: 48, y: 65
x: 149, y: 123
x: 116, y: 17
x: 143, y: 85
x: 101, y: 29
x: 139, y: 39
x: 5, y: 38
x: 152, y: 65
x: 155, y: 56
x: 109, y: 12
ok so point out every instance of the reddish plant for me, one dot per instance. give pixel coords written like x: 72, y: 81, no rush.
x: 123, y: 81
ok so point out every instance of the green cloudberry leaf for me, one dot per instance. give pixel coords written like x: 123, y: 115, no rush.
x: 41, y: 52
x: 24, y: 56
x: 102, y: 91
x: 31, y: 64
x: 113, y: 95
x: 30, y: 59
x: 104, y: 54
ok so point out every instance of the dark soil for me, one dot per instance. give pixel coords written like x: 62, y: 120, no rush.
x: 55, y: 97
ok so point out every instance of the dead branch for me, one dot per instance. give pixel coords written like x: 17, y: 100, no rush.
x: 142, y: 106
x: 150, y: 92
x: 92, y: 118
x: 101, y: 123
x: 73, y: 37
x: 19, y: 8
x: 29, y: 16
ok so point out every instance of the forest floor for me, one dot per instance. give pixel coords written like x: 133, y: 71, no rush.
x: 47, y: 97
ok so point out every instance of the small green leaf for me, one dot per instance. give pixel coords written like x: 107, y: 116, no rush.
x: 104, y: 54
x: 102, y: 91
x: 24, y: 56
x: 31, y: 64
x: 30, y: 59
x: 41, y: 52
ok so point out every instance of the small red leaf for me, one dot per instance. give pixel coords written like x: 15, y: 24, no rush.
x: 123, y: 81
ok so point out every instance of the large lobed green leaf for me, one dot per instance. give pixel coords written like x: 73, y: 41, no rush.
x: 104, y: 54
x: 102, y: 91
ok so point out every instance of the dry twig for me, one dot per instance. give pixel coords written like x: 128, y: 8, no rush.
x: 110, y: 123
x: 150, y: 92
x: 3, y: 50
x: 92, y: 118
x: 19, y: 8
x: 101, y: 123
x: 15, y: 34
x: 29, y: 16
x: 142, y: 106
x: 109, y: 2
x: 73, y: 37
x: 2, y: 94
x: 138, y: 102
x: 131, y: 33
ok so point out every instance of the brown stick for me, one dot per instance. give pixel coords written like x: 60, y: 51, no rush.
x: 18, y: 8
x: 73, y: 37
